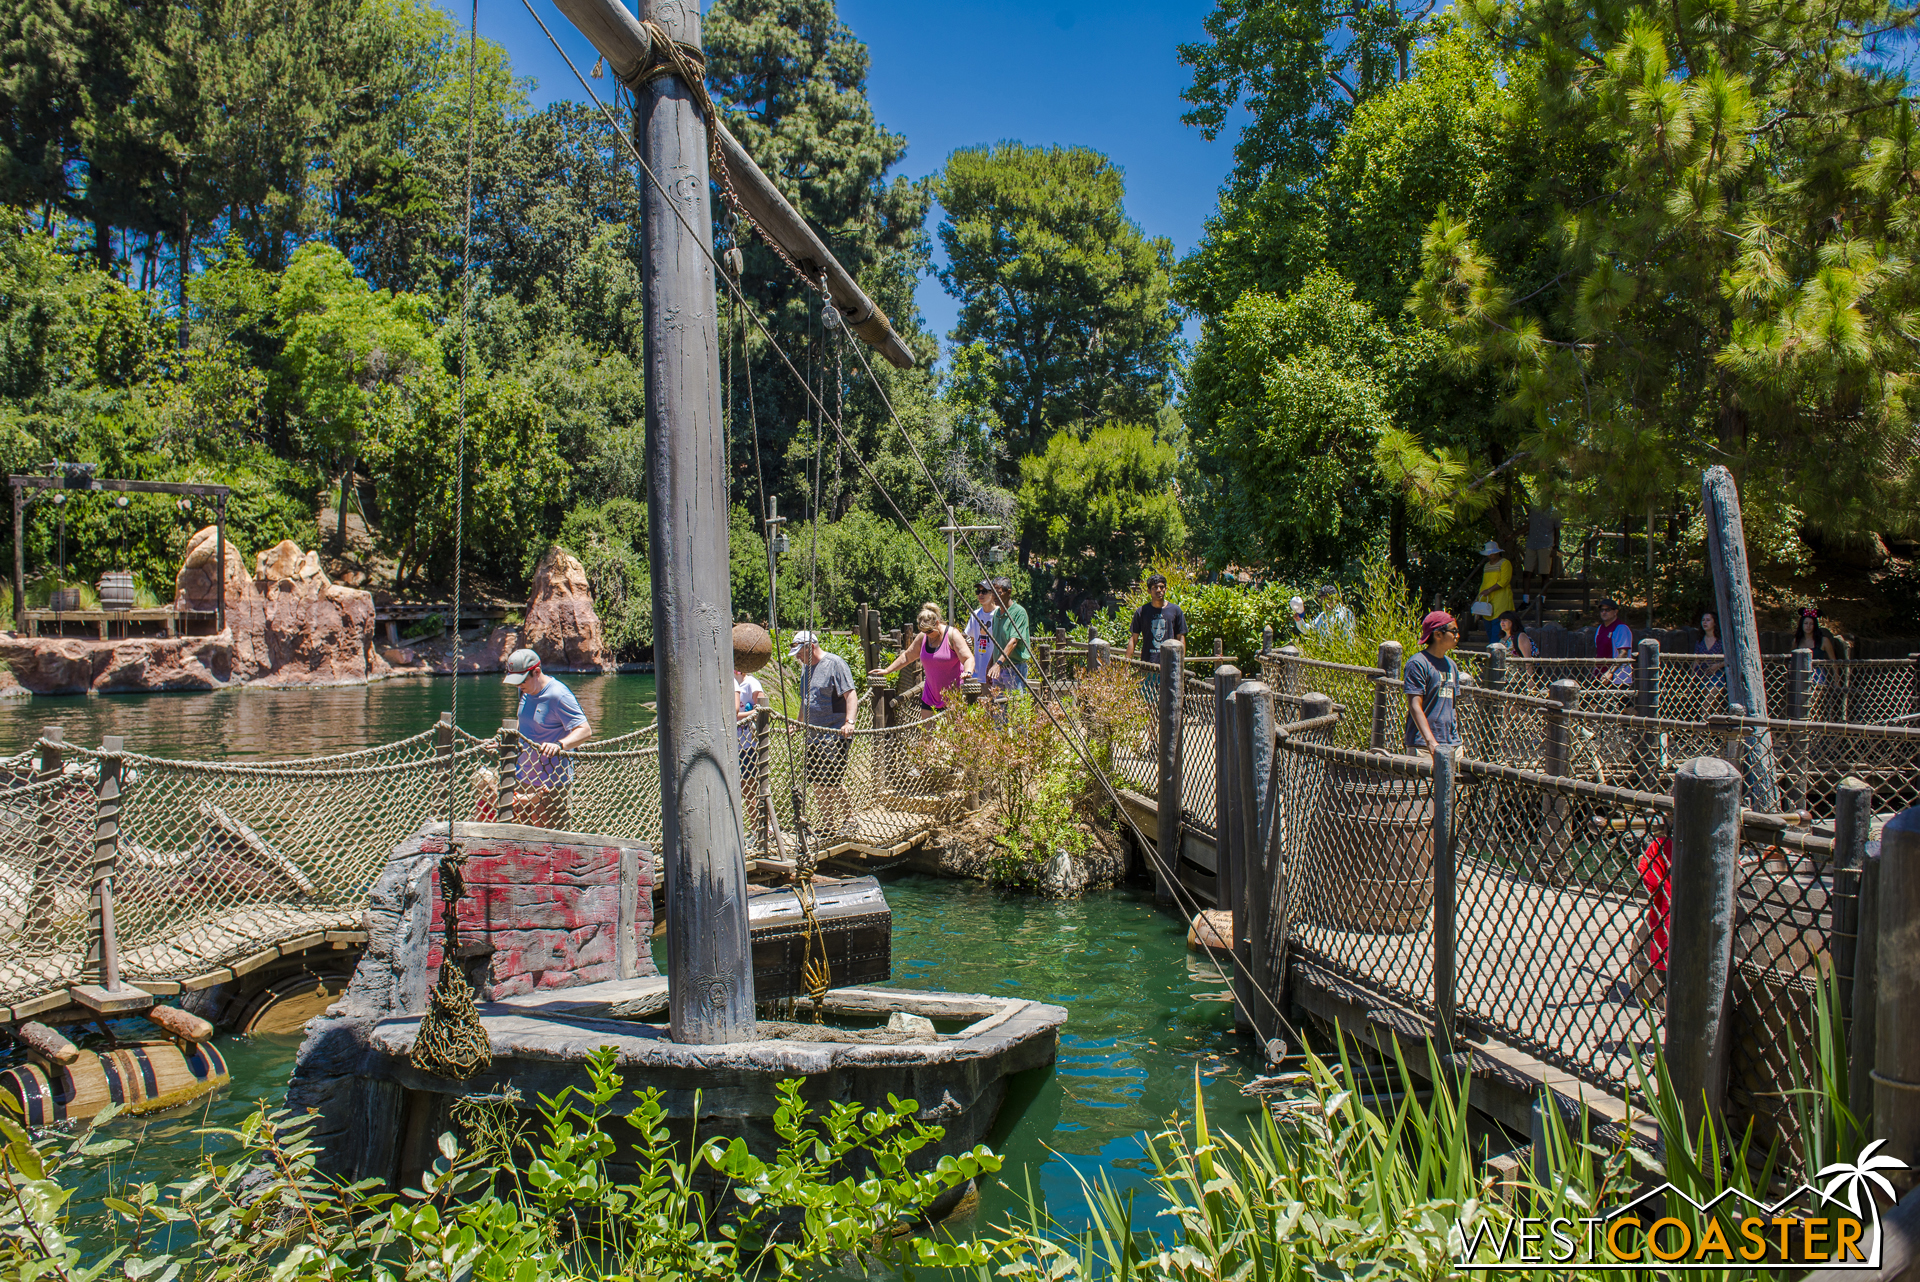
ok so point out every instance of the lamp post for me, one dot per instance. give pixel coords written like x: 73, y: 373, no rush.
x: 950, y: 531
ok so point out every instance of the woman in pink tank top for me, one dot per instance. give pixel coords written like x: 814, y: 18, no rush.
x: 942, y: 653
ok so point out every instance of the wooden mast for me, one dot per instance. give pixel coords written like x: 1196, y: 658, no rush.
x: 709, y: 963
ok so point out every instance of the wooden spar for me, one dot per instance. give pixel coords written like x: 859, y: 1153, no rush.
x: 784, y: 224
x: 709, y: 960
x: 613, y: 30
x: 625, y: 44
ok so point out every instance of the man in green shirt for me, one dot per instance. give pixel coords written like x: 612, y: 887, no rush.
x: 1011, y: 634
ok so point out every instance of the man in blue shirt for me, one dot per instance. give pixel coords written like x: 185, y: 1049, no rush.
x: 550, y: 723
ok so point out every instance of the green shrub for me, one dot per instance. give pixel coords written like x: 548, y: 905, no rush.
x: 504, y: 1205
x: 611, y: 541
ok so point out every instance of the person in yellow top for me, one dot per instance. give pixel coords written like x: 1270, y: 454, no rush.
x: 1496, y: 587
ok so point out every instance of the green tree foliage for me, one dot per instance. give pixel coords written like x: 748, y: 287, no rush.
x: 1298, y: 70
x: 1101, y: 507
x: 1070, y: 301
x: 611, y: 541
x: 353, y: 358
x: 791, y: 79
x: 1452, y: 134
x: 1727, y: 281
x: 1288, y: 404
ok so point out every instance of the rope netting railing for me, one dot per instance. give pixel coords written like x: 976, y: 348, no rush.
x: 1812, y: 758
x: 1198, y: 802
x: 875, y: 789
x: 1349, y: 685
x: 46, y: 861
x: 216, y: 865
x: 218, y: 862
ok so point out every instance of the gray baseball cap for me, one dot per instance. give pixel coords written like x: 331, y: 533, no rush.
x: 520, y: 664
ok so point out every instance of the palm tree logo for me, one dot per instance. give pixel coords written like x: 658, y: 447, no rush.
x: 1859, y: 1177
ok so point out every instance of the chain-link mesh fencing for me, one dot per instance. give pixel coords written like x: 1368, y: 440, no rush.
x: 1787, y: 902
x: 1561, y: 917
x: 1136, y: 734
x: 1606, y: 685
x: 1811, y: 758
x: 1349, y: 686
x: 1357, y: 846
x: 1198, y: 739
x: 1503, y: 727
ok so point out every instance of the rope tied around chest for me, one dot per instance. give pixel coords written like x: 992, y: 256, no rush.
x: 452, y: 1042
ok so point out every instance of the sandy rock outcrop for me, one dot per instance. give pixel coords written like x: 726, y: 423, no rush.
x: 562, y: 627
x: 68, y: 665
x: 317, y: 633
x: 195, y: 588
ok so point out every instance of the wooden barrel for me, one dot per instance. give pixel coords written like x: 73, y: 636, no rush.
x: 65, y: 600
x: 116, y: 590
x: 1372, y: 844
x: 143, y: 1078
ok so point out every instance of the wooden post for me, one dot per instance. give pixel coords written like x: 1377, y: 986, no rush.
x: 1852, y: 817
x: 1266, y: 640
x: 20, y: 564
x: 1445, y: 888
x: 1559, y: 747
x: 1706, y: 853
x: 710, y: 997
x: 1097, y: 654
x: 1496, y: 675
x: 507, y: 770
x: 1388, y: 662
x: 1739, y: 629
x: 1226, y: 793
x: 1863, y: 1036
x: 1172, y: 743
x: 1253, y: 904
x: 103, y: 941
x: 220, y: 560
x: 443, y: 736
x: 1646, y: 704
x: 1896, y: 1055
x: 1793, y: 754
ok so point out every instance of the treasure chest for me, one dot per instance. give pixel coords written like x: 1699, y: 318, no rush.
x: 856, y: 928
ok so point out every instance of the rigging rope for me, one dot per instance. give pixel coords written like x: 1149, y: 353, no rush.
x: 1072, y: 739
x: 452, y: 1042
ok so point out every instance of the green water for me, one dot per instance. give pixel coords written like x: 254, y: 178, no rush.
x: 1143, y: 1013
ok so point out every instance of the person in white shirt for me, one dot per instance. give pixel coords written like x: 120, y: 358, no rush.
x: 980, y: 628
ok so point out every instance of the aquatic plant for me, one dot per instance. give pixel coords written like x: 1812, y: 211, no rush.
x: 500, y: 1204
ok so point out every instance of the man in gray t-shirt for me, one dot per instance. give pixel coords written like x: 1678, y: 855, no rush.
x: 829, y: 703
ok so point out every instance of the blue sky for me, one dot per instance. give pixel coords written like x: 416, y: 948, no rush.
x: 955, y: 74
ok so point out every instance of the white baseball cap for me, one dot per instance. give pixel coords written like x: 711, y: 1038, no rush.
x: 801, y: 640
x: 1296, y: 603
x: 521, y: 664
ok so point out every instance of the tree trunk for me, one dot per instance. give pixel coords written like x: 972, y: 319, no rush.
x: 102, y: 242
x: 186, y: 266
x: 346, y: 479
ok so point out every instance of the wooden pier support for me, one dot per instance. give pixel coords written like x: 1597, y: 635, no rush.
x: 1705, y: 859
x: 1171, y: 723
x: 1253, y: 902
x: 1896, y: 1055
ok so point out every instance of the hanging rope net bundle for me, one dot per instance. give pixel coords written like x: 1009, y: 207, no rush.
x: 452, y: 1042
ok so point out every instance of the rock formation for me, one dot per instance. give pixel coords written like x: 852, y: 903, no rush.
x: 561, y: 626
x: 194, y: 589
x: 317, y: 633
x: 69, y: 665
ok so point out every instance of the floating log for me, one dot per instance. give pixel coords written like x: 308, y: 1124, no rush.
x: 182, y: 1024
x: 44, y: 1044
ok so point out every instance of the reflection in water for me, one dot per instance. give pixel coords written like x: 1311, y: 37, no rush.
x: 255, y: 722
